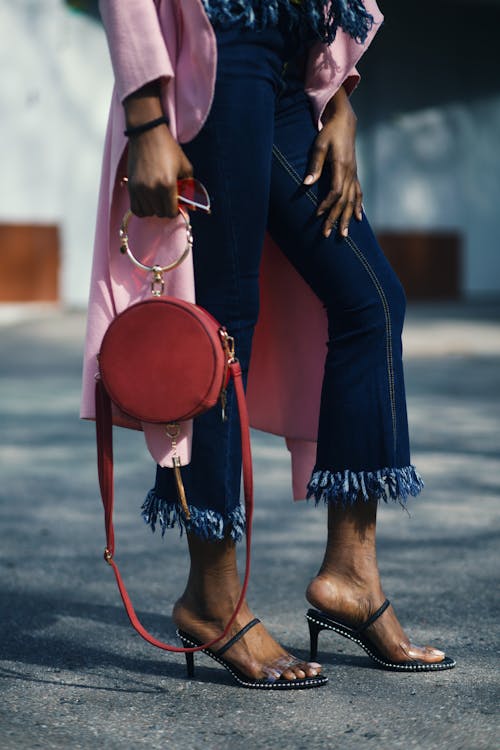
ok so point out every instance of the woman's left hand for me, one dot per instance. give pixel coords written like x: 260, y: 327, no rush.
x: 335, y: 143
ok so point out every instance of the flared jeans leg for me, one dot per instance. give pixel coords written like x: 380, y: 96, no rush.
x: 232, y: 156
x: 363, y: 444
x: 252, y: 155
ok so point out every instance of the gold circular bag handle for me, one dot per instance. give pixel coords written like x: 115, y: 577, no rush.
x: 125, y: 247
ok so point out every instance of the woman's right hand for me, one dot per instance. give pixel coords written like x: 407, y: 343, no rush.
x: 155, y: 163
x: 155, y: 159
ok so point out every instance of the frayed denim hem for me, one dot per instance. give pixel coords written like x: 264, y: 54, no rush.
x: 345, y: 487
x: 349, y: 15
x: 208, y: 524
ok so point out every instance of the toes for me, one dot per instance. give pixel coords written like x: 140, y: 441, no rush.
x: 309, y: 668
x: 271, y: 674
x: 289, y: 668
x: 313, y: 669
x: 422, y: 653
x: 435, y: 652
x: 300, y: 670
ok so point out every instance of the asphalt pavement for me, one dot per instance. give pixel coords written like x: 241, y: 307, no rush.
x: 74, y: 675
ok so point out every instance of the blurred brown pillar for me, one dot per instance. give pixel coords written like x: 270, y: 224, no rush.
x: 29, y: 263
x: 429, y: 264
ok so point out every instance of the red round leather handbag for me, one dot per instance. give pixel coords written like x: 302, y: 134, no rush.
x: 164, y: 361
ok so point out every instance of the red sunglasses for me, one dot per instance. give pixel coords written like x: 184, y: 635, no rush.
x: 193, y: 194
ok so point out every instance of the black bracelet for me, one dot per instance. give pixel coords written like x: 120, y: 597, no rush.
x: 138, y: 129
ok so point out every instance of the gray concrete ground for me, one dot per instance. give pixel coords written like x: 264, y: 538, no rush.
x: 73, y: 673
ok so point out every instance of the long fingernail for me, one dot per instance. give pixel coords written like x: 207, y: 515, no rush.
x: 309, y: 179
x: 327, y: 233
x: 344, y: 232
x: 320, y: 212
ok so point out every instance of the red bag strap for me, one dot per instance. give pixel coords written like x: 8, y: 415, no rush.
x: 104, y: 434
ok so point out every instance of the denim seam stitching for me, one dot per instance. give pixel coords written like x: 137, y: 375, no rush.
x: 364, y: 262
x: 293, y: 174
x: 235, y: 269
x: 388, y: 326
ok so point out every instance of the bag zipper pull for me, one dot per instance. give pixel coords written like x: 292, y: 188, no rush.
x: 181, y: 492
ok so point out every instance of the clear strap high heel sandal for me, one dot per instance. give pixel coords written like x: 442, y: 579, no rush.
x: 319, y: 621
x: 273, y: 679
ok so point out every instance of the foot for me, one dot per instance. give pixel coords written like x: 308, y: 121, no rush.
x: 256, y: 654
x: 353, y: 602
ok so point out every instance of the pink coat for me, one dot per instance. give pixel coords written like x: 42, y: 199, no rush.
x: 173, y: 40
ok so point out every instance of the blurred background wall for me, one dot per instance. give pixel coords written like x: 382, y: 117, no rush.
x: 54, y: 94
x: 429, y: 124
x: 429, y: 113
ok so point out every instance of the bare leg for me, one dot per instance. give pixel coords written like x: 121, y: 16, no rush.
x: 207, y: 603
x: 348, y: 583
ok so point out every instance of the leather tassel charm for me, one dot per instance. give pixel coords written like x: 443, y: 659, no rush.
x: 180, y: 487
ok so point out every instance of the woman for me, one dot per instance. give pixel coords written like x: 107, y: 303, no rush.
x: 251, y: 136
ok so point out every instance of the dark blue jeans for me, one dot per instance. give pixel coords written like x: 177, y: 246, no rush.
x: 252, y: 155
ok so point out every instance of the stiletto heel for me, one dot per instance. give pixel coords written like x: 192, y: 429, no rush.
x: 267, y: 683
x: 319, y: 621
x: 190, y: 664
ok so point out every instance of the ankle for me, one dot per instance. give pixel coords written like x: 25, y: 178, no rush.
x: 213, y: 587
x: 208, y: 602
x: 211, y: 595
x: 357, y: 571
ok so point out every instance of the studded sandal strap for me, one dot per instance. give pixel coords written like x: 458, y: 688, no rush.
x: 375, y: 616
x: 237, y: 637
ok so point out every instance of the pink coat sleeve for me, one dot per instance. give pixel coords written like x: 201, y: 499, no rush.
x: 351, y: 81
x: 331, y: 65
x: 136, y: 44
